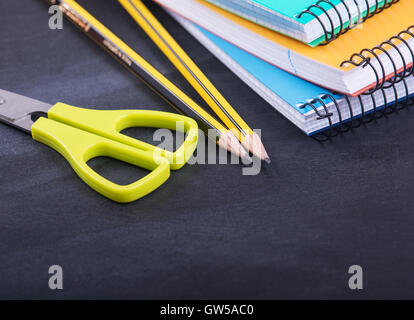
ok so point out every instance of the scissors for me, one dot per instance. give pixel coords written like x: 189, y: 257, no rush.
x: 80, y: 135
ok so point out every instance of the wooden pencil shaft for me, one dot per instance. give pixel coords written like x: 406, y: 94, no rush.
x: 162, y: 91
x: 189, y: 69
x: 155, y: 80
x: 184, y: 64
x: 160, y: 36
x: 139, y: 71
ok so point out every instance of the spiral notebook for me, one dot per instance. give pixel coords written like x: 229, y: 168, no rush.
x: 352, y: 64
x: 311, y: 21
x: 311, y: 108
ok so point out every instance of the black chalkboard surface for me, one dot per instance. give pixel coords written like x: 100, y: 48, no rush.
x: 293, y: 231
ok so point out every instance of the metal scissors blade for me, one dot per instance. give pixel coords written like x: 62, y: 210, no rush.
x: 17, y: 110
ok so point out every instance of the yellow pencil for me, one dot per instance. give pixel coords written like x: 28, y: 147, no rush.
x: 149, y: 75
x: 249, y: 139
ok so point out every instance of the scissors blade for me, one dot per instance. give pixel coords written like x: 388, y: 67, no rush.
x: 17, y: 110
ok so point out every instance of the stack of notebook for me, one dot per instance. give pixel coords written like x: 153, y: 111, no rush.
x: 327, y: 64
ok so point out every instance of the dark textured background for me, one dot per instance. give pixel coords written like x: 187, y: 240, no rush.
x: 209, y: 232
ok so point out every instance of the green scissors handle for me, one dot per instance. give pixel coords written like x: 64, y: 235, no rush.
x: 78, y: 147
x: 80, y: 135
x: 109, y: 124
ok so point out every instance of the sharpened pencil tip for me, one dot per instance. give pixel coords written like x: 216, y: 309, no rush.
x: 267, y: 160
x: 229, y: 141
x: 253, y: 143
x: 246, y: 159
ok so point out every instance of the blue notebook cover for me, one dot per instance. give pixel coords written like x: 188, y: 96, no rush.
x: 292, y: 90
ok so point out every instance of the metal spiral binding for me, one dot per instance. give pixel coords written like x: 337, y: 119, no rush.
x: 329, y: 31
x: 363, y: 59
x: 400, y: 102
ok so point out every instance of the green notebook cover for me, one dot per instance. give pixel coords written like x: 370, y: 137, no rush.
x: 291, y: 9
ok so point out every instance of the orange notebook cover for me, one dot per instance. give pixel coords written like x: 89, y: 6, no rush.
x: 323, y: 65
x: 367, y: 35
